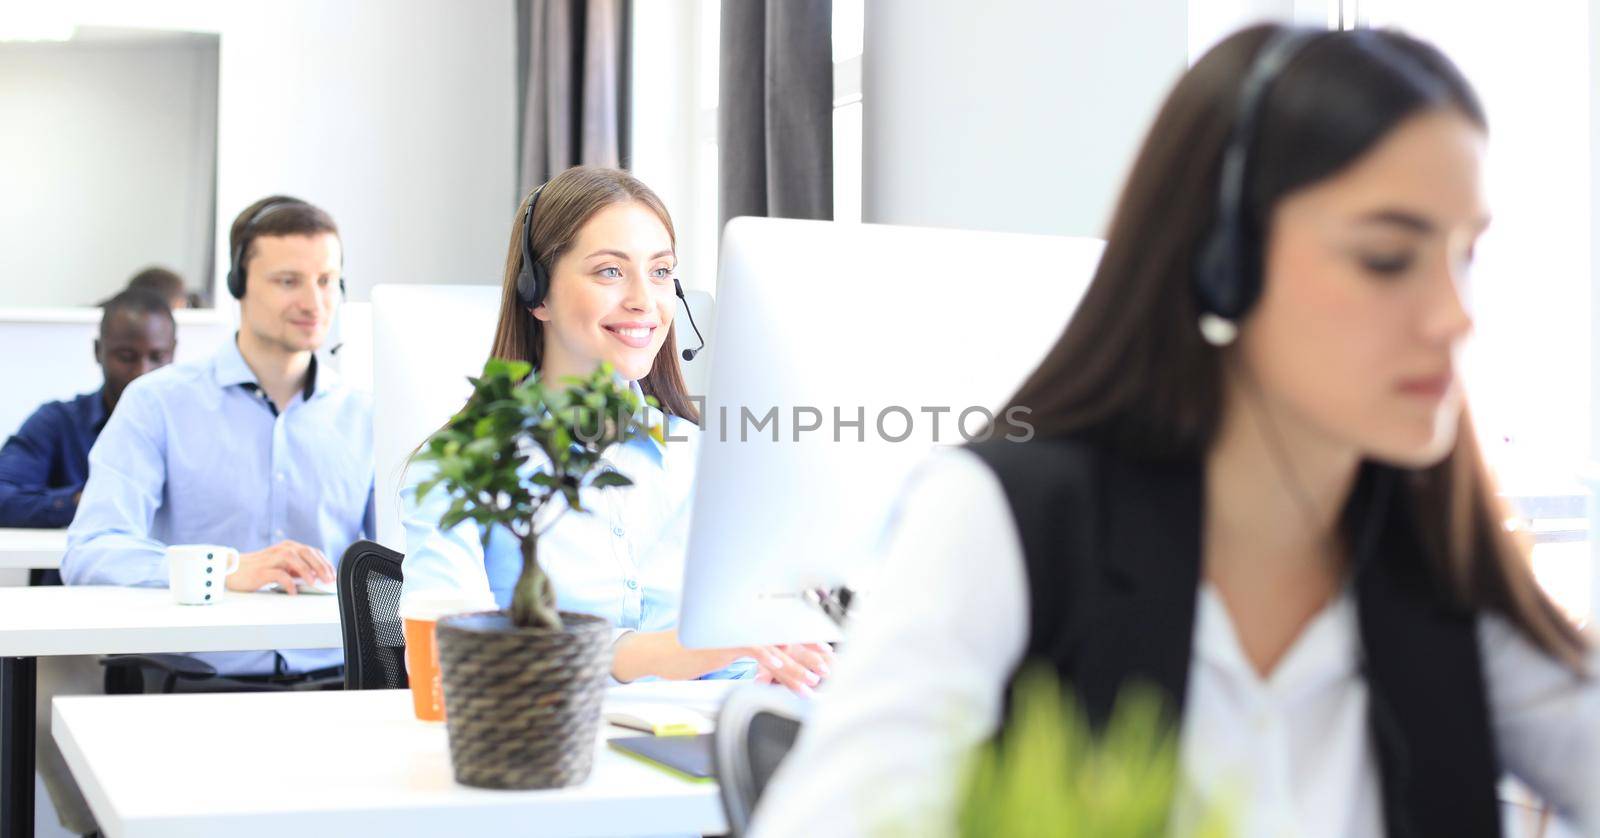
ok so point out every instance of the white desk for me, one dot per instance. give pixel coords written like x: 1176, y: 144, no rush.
x: 340, y: 763
x: 38, y: 622
x: 92, y: 620
x: 31, y: 549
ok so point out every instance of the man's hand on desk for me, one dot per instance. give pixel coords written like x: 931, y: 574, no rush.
x: 283, y: 563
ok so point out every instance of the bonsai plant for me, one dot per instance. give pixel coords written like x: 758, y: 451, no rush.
x: 523, y: 686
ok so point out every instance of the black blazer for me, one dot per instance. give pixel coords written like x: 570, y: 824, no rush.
x: 1113, y: 546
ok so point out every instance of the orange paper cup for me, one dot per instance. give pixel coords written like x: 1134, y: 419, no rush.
x: 419, y: 614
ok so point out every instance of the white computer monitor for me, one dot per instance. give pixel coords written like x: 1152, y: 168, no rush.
x: 426, y: 340
x: 50, y: 353
x: 868, y: 320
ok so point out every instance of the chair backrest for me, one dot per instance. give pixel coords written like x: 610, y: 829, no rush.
x: 755, y: 730
x: 369, y: 603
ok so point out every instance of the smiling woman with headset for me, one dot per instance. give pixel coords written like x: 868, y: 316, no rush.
x: 591, y: 278
x: 1253, y: 485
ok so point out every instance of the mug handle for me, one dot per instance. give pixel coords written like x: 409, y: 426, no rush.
x: 233, y: 561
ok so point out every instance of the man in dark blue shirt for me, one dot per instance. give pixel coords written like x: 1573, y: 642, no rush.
x: 43, y: 467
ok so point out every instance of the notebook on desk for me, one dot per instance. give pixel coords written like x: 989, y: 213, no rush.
x: 688, y: 757
x: 659, y: 718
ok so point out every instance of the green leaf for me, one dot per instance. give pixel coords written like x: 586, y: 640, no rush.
x: 570, y: 492
x: 483, y: 447
x: 425, y: 488
x: 608, y: 479
x: 501, y: 369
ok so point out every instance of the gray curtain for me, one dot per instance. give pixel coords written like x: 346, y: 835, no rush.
x: 572, y: 86
x: 775, y: 109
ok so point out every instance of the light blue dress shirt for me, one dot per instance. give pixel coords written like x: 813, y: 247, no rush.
x: 622, y: 560
x: 196, y: 454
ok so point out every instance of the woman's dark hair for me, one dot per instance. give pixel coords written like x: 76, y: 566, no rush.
x: 1132, y: 372
x: 567, y: 203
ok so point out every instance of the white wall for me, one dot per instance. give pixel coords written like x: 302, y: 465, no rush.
x: 1020, y: 117
x: 1212, y: 20
x: 106, y: 165
x: 397, y: 116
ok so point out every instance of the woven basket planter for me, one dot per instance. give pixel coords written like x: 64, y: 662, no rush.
x: 523, y: 704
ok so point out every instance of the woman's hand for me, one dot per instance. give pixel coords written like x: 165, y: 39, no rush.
x: 798, y: 666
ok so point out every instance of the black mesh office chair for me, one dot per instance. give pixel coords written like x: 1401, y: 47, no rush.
x: 756, y: 728
x: 369, y: 602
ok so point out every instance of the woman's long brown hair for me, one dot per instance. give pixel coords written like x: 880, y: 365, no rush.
x: 567, y: 203
x: 1132, y: 372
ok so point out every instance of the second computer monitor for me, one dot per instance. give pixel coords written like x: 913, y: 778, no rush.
x: 845, y: 354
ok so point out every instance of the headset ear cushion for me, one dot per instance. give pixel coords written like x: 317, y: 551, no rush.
x: 532, y: 284
x: 1218, y: 282
x: 541, y: 283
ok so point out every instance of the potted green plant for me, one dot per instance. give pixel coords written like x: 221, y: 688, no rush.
x: 522, y: 687
x: 1048, y: 774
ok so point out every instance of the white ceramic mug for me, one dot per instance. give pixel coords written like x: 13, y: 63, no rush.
x: 197, y: 573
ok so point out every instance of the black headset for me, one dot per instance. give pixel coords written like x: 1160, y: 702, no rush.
x: 236, y: 269
x: 533, y: 280
x: 1227, y: 273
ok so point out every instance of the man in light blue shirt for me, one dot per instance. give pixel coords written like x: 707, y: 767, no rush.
x: 259, y: 448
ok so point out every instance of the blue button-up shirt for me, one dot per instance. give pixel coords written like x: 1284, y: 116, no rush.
x: 622, y: 560
x: 47, y: 461
x: 196, y: 454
